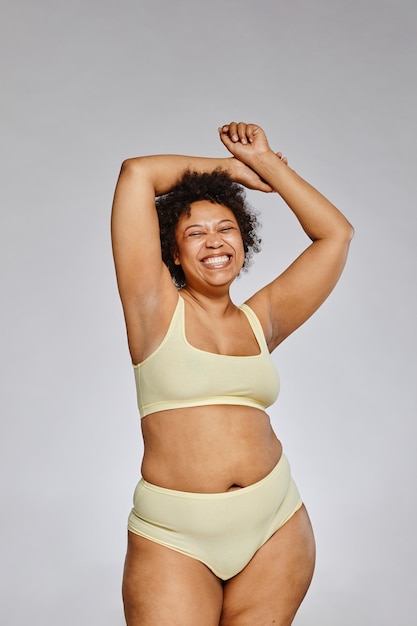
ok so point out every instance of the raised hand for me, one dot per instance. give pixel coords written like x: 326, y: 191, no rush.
x: 247, y: 142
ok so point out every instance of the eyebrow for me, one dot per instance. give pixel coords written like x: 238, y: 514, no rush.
x: 201, y: 225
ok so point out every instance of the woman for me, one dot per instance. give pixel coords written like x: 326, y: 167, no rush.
x: 218, y: 533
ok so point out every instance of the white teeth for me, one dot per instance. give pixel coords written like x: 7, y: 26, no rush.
x: 216, y: 260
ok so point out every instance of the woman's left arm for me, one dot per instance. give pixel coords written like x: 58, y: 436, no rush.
x: 289, y: 300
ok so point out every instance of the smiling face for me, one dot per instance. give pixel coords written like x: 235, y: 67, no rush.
x: 209, y: 245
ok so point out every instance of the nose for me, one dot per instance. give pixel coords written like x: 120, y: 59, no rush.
x: 213, y: 240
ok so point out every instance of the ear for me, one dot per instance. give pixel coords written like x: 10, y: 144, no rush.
x: 176, y: 256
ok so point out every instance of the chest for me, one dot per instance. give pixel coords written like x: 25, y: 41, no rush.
x: 230, y: 336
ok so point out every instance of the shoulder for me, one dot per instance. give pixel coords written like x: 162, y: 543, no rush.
x: 260, y: 305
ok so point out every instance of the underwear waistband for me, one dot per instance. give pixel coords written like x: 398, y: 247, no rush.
x: 282, y: 465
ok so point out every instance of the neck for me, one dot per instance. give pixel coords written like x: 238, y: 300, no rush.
x: 218, y: 302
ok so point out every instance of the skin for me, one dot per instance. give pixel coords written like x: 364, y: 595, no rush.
x: 226, y: 447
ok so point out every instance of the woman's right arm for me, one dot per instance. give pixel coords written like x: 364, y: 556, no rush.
x: 146, y: 289
x: 134, y: 222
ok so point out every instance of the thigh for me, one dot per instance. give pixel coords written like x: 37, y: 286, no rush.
x: 272, y: 586
x: 164, y: 587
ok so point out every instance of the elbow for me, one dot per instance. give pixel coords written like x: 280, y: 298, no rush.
x: 345, y: 230
x: 341, y: 233
x: 350, y: 231
x: 135, y: 169
x: 131, y: 165
x: 138, y: 165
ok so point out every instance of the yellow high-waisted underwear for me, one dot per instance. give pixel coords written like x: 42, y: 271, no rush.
x: 222, y: 530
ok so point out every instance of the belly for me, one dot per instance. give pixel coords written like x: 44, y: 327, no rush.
x: 208, y: 449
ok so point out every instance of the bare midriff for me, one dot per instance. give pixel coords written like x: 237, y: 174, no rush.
x: 210, y: 449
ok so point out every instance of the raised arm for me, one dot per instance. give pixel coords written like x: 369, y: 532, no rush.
x: 295, y: 295
x: 145, y: 285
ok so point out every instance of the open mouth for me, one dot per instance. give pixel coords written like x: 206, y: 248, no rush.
x: 216, y: 261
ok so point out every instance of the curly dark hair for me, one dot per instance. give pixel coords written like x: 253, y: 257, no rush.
x: 216, y: 187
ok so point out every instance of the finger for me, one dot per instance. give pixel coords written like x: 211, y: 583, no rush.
x: 265, y: 188
x: 223, y: 130
x: 283, y: 158
x: 225, y: 138
x: 250, y: 132
x: 232, y: 131
x: 241, y: 131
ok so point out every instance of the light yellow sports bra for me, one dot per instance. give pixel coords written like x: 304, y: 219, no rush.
x: 177, y: 375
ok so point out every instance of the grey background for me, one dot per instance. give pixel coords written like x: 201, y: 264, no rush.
x: 86, y: 84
